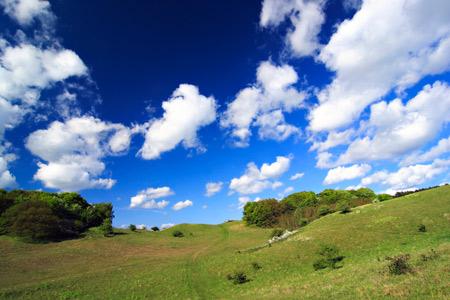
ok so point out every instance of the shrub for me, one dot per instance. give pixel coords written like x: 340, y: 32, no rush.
x: 276, y: 232
x: 238, y: 277
x: 324, y: 210
x: 431, y: 256
x: 177, y: 233
x: 132, y: 227
x: 343, y: 206
x: 399, y: 264
x: 106, y: 227
x: 32, y: 219
x: 303, y: 222
x: 154, y: 228
x: 421, y: 228
x: 256, y: 266
x: 329, y: 257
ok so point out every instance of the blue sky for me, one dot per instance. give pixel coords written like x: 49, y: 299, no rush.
x: 182, y: 111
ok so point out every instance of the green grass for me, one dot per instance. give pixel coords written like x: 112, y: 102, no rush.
x: 156, y: 265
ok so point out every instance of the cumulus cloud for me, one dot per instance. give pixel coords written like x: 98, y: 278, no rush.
x: 442, y: 147
x: 395, y: 129
x: 147, y: 198
x: 256, y: 180
x: 7, y: 180
x: 73, y: 151
x: 345, y: 173
x: 213, y: 188
x: 263, y: 105
x: 286, y: 191
x: 25, y: 11
x: 184, y: 114
x: 168, y: 225
x: 386, y: 45
x: 242, y: 202
x: 297, y: 176
x: 182, y: 204
x: 408, y: 177
x: 306, y: 18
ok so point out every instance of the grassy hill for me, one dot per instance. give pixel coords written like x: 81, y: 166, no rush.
x: 156, y: 265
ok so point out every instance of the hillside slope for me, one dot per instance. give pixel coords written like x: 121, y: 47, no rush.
x: 156, y: 265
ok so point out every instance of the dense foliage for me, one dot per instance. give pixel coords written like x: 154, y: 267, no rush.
x: 43, y: 215
x: 298, y: 209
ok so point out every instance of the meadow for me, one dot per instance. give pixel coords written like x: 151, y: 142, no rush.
x: 157, y: 265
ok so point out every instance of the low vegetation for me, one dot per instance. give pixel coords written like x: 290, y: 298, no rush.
x: 350, y: 249
x: 42, y: 216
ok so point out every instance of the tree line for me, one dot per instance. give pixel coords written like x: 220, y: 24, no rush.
x: 37, y: 215
x: 299, y: 209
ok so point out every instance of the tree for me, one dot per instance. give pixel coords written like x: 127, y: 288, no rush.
x: 106, y: 227
x: 132, y: 227
x: 32, y: 219
x: 154, y: 228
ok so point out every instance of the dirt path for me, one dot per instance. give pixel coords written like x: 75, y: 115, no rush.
x: 196, y: 282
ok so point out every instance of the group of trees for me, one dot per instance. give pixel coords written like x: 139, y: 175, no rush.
x: 298, y: 209
x: 43, y: 215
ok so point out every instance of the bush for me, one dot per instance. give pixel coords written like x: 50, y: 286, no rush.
x: 324, y: 210
x: 256, y: 266
x: 329, y: 257
x: 399, y: 264
x: 177, y: 233
x: 132, y: 227
x: 106, y: 227
x: 343, y: 206
x: 303, y: 222
x: 421, y: 228
x: 32, y: 219
x: 154, y: 228
x: 276, y: 232
x: 238, y: 277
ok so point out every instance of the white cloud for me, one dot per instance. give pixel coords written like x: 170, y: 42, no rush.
x: 386, y: 45
x: 395, y: 129
x: 168, y: 225
x: 345, y: 173
x: 297, y: 176
x: 25, y: 11
x: 204, y: 207
x: 443, y: 146
x: 141, y: 226
x: 306, y: 17
x: 408, y: 177
x: 242, y: 202
x: 334, y: 138
x: 286, y: 191
x: 184, y: 114
x: 276, y: 185
x: 255, y: 180
x: 181, y: 205
x: 263, y: 105
x: 352, y: 4
x: 146, y: 198
x: 213, y: 188
x: 74, y: 151
x: 7, y: 180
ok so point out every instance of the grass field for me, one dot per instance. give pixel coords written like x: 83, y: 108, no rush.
x: 156, y: 265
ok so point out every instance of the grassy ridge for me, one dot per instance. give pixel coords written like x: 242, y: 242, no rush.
x: 155, y: 265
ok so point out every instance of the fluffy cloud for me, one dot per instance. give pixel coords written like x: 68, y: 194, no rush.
x: 395, y: 129
x: 263, y: 105
x: 213, y: 188
x: 25, y: 11
x: 73, y: 151
x: 184, y: 114
x: 181, y: 205
x: 242, y: 202
x: 168, y: 225
x: 408, y: 177
x: 386, y: 45
x: 146, y: 198
x: 7, y: 180
x: 443, y: 146
x: 306, y: 17
x: 256, y: 180
x: 286, y: 191
x: 297, y: 176
x: 342, y: 173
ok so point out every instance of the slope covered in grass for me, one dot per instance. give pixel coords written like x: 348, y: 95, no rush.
x: 156, y: 265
